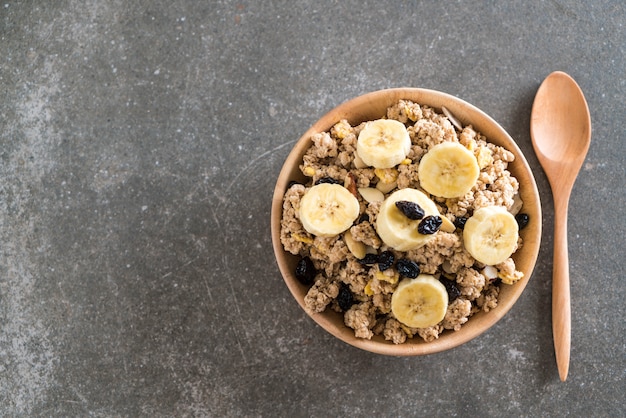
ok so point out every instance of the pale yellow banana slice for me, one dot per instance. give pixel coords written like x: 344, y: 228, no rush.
x: 383, y: 143
x: 448, y: 170
x: 398, y: 231
x: 490, y: 235
x: 328, y: 209
x: 420, y: 302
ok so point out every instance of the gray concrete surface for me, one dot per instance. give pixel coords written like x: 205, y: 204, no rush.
x: 139, y: 145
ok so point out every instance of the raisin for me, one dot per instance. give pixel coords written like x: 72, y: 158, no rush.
x: 369, y: 259
x: 305, y: 271
x: 429, y: 225
x: 328, y: 180
x: 522, y: 220
x: 292, y: 183
x: 411, y: 210
x: 451, y: 288
x: 385, y: 260
x: 459, y: 222
x: 363, y: 218
x: 345, y: 299
x: 407, y: 268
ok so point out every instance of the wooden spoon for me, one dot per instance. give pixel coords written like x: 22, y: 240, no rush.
x: 560, y: 128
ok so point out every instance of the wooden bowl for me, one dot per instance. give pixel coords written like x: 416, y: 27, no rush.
x: 373, y: 106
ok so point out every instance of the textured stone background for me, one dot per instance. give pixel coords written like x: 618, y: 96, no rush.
x: 139, y: 145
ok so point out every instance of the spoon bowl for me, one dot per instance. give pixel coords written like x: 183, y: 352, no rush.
x: 560, y: 129
x: 560, y: 125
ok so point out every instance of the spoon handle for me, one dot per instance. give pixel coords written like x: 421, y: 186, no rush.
x: 561, y: 313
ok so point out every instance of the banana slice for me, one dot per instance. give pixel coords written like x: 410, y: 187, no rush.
x: 398, y: 231
x: 421, y: 302
x: 328, y: 209
x: 490, y: 235
x: 448, y: 170
x: 383, y: 143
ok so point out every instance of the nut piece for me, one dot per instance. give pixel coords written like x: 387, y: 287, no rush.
x: 371, y: 194
x: 447, y: 225
x: 357, y: 248
x: 457, y: 124
x: 350, y: 184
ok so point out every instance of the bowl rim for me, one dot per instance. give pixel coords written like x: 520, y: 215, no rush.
x: 372, y: 102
